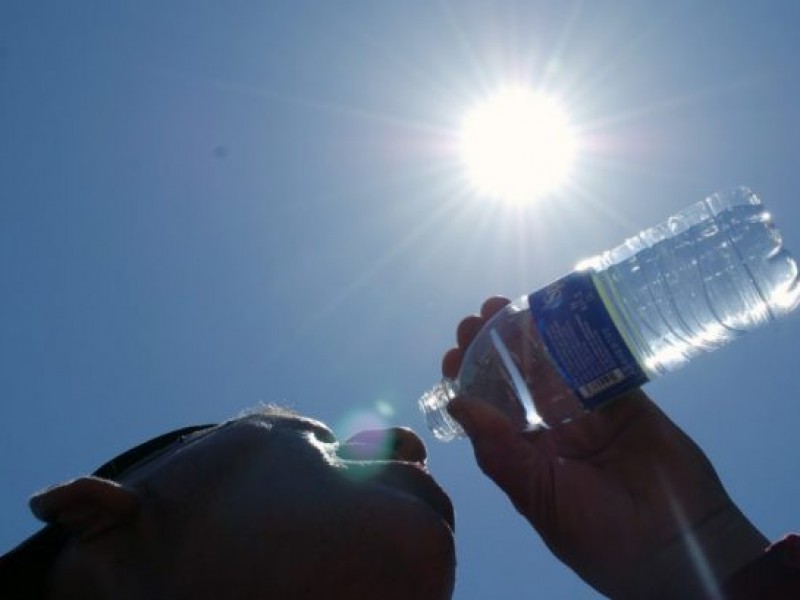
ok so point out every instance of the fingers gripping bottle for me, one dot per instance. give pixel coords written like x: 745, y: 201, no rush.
x: 684, y: 287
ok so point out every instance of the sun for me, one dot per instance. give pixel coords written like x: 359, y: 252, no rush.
x: 518, y: 145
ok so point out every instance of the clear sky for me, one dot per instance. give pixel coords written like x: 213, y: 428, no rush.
x: 206, y: 205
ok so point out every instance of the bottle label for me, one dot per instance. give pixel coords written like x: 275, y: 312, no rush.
x: 583, y: 341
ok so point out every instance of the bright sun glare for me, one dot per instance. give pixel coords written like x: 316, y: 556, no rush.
x: 518, y: 145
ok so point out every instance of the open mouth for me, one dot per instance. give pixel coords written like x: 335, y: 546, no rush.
x: 412, y: 478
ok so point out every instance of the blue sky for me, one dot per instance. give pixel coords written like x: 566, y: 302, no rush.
x: 207, y: 205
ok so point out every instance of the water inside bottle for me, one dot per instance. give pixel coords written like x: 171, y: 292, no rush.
x: 699, y: 280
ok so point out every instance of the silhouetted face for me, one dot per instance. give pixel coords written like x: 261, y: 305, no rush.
x: 274, y: 507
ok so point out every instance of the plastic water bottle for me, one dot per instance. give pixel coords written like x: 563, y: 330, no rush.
x: 685, y: 287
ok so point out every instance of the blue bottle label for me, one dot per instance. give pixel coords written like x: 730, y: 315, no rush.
x: 583, y: 341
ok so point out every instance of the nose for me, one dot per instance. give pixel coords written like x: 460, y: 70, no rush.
x: 397, y: 443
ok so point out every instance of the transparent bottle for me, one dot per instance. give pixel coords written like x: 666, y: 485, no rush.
x: 684, y: 287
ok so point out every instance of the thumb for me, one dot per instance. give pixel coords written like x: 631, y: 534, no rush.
x: 512, y: 460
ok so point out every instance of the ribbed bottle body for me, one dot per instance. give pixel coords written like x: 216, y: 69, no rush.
x: 690, y: 285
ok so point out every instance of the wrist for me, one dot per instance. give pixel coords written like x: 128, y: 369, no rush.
x: 695, y: 563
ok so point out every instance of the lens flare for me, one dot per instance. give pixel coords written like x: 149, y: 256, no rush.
x: 367, y: 438
x: 384, y: 408
x: 361, y: 420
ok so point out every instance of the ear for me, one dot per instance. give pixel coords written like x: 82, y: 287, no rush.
x: 86, y: 506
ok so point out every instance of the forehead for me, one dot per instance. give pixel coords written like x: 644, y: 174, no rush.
x: 263, y: 427
x: 286, y: 422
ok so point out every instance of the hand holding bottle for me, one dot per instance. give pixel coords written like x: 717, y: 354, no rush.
x: 621, y: 495
x: 684, y: 287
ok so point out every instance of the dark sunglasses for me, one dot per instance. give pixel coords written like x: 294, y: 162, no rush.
x: 146, y: 452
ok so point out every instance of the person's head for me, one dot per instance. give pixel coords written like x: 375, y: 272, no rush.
x: 268, y: 505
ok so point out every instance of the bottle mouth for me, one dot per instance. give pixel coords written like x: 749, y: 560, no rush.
x: 433, y: 405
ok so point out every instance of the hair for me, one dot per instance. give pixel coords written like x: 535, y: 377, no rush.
x: 264, y: 409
